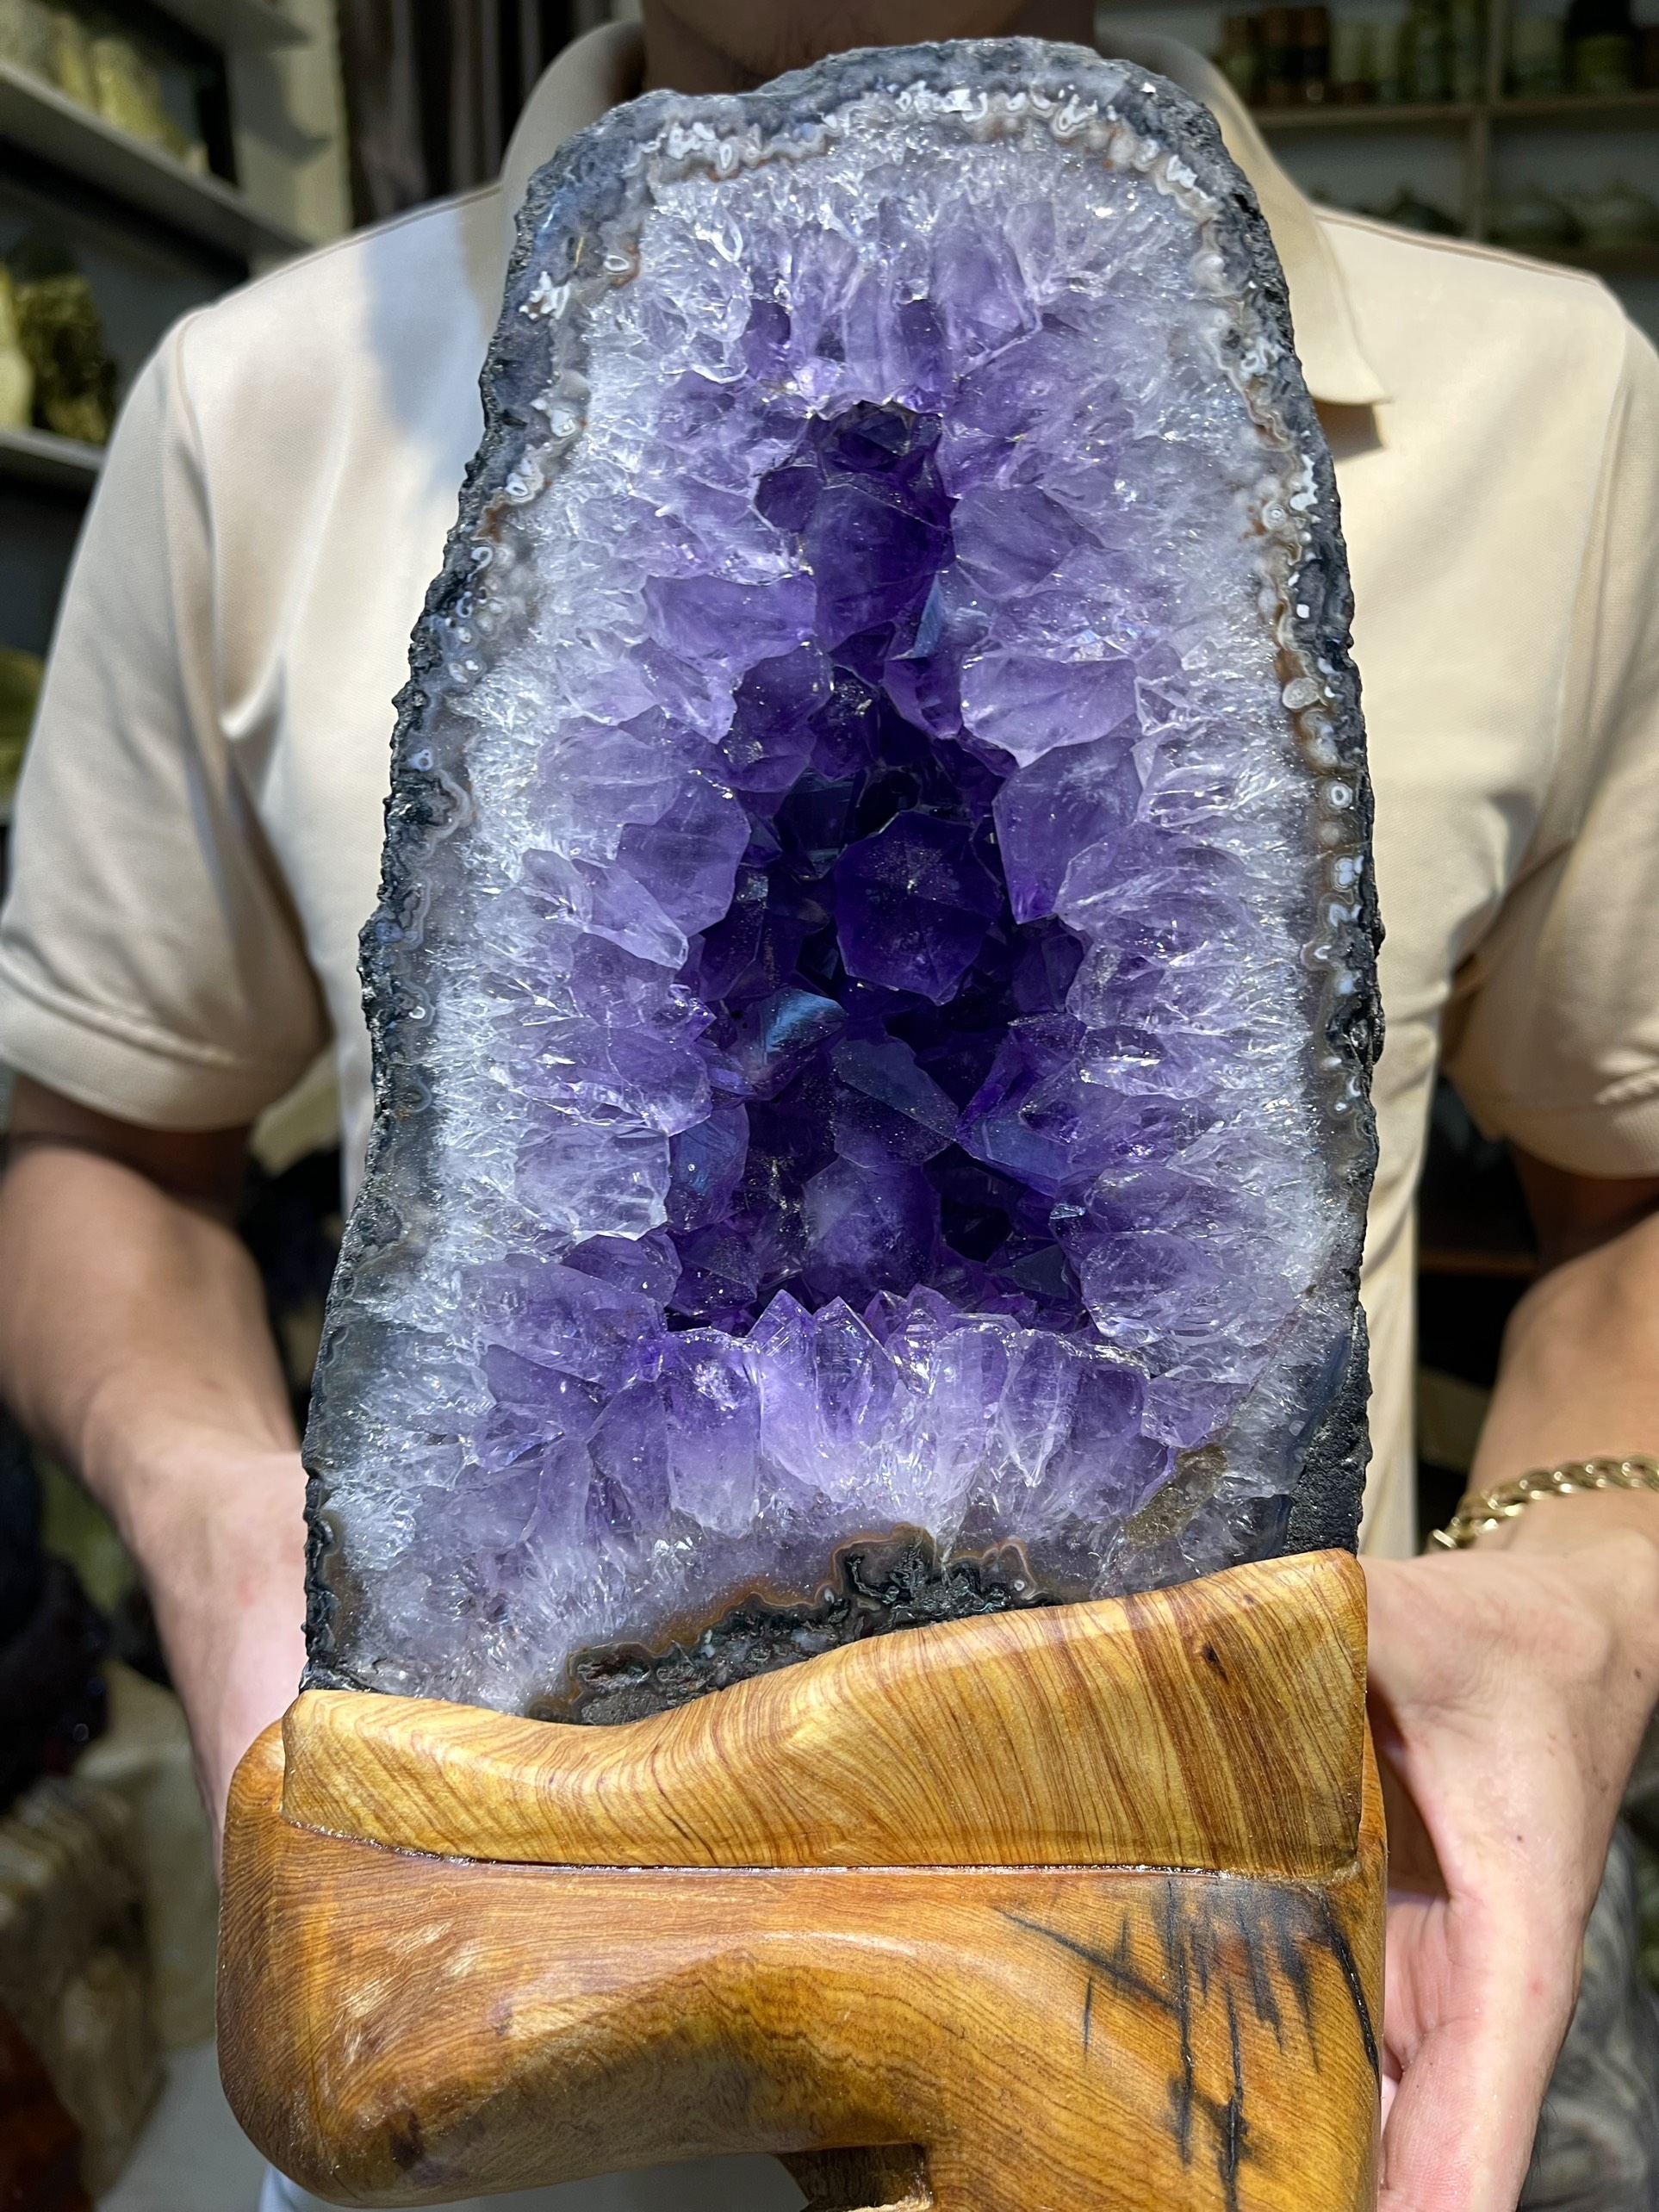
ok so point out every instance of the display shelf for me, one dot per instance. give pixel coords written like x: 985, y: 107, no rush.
x: 38, y: 118
x: 1616, y: 113
x: 237, y: 26
x: 1329, y: 115
x: 153, y: 238
x: 1483, y: 132
x: 45, y: 458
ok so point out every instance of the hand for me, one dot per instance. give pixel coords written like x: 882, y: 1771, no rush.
x: 135, y: 1345
x: 1510, y: 1687
x: 223, y: 1550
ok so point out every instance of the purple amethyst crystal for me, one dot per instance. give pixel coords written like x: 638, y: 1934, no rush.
x: 874, y: 987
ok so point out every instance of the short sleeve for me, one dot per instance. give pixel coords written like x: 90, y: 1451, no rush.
x: 150, y: 963
x: 1552, y: 1033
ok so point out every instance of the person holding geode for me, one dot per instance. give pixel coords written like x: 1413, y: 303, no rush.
x: 199, y: 825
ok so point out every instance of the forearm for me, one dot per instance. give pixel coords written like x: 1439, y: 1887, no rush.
x: 133, y: 1334
x: 1580, y: 1373
x: 133, y: 1345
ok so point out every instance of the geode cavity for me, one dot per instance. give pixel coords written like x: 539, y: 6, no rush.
x: 874, y: 985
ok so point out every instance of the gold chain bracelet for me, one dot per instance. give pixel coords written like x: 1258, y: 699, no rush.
x: 1479, y: 1512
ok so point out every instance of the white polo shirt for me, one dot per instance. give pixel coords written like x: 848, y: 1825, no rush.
x: 198, y: 830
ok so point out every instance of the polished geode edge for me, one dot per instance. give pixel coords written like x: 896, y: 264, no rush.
x: 875, y: 1585
x: 602, y: 179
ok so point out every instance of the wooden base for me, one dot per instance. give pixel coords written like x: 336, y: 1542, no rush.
x: 1070, y: 1910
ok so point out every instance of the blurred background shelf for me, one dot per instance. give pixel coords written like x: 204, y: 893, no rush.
x: 43, y: 122
x: 1610, y: 111
x: 239, y: 26
x: 1331, y: 116
x: 40, y: 457
x: 153, y: 154
x: 1536, y: 124
x: 1617, y: 112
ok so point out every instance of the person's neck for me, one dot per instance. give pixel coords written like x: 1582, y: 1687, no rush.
x: 680, y: 59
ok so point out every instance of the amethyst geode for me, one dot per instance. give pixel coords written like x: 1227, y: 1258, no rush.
x: 874, y: 986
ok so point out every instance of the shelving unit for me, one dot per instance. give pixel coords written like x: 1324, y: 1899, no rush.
x: 1452, y: 115
x: 154, y: 237
x: 1477, y: 122
x: 237, y: 26
x: 1481, y: 137
x: 40, y: 119
x: 40, y: 457
x: 1571, y: 112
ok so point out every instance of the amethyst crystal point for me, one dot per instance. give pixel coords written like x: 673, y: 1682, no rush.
x: 874, y: 987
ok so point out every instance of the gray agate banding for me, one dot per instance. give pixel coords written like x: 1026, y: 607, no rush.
x: 873, y: 990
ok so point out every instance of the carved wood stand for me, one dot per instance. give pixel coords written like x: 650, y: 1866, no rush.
x: 1075, y: 1910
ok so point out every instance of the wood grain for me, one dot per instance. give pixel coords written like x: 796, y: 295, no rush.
x: 402, y: 2030
x: 1074, y: 1910
x: 1215, y: 1724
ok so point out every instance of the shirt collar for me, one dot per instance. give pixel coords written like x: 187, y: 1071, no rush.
x: 597, y: 72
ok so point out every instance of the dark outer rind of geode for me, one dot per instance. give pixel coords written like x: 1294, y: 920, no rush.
x: 891, y: 1582
x: 584, y: 184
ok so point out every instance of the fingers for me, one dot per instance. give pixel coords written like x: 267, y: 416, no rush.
x: 1475, y: 2015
